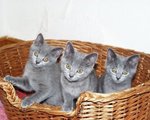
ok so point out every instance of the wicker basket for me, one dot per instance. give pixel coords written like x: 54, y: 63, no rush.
x: 8, y: 40
x: 131, y: 104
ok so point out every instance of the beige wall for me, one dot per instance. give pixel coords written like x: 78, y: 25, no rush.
x: 124, y: 23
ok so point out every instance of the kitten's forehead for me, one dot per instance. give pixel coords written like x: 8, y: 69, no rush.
x: 121, y: 62
x: 78, y: 58
x: 44, y: 49
x: 121, y: 59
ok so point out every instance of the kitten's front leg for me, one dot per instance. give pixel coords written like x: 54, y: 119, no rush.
x: 35, y: 98
x: 20, y: 82
x: 68, y: 102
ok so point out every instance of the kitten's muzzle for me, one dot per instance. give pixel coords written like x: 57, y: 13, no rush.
x: 71, y: 76
x: 37, y: 62
x: 117, y: 78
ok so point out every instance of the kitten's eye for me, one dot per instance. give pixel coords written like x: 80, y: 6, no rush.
x: 114, y: 70
x: 125, y: 73
x: 45, y: 59
x: 36, y: 53
x: 68, y: 66
x: 80, y: 71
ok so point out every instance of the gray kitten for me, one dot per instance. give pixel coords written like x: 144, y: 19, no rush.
x: 77, y: 75
x: 41, y: 74
x: 119, y: 72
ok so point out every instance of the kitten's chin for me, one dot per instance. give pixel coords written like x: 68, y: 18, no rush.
x: 36, y: 66
x: 71, y: 80
x: 118, y: 81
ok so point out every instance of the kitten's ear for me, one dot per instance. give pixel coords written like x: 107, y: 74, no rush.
x: 90, y: 59
x: 133, y: 60
x: 56, y: 52
x: 69, y: 50
x: 39, y: 40
x: 111, y: 56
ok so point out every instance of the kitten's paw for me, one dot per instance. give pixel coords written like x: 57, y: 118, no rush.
x: 66, y: 109
x: 7, y: 78
x: 26, y: 102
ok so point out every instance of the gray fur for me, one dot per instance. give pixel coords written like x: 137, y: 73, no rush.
x: 41, y: 75
x: 73, y: 82
x: 119, y: 72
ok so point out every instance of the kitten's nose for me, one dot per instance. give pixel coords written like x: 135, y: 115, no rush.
x: 37, y: 62
x: 70, y: 76
x: 117, y: 78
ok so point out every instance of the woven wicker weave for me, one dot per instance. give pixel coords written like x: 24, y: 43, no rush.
x: 131, y: 104
x: 8, y: 40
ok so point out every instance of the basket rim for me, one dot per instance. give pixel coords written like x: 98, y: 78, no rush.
x: 107, y: 97
x: 13, y: 39
x: 73, y: 41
